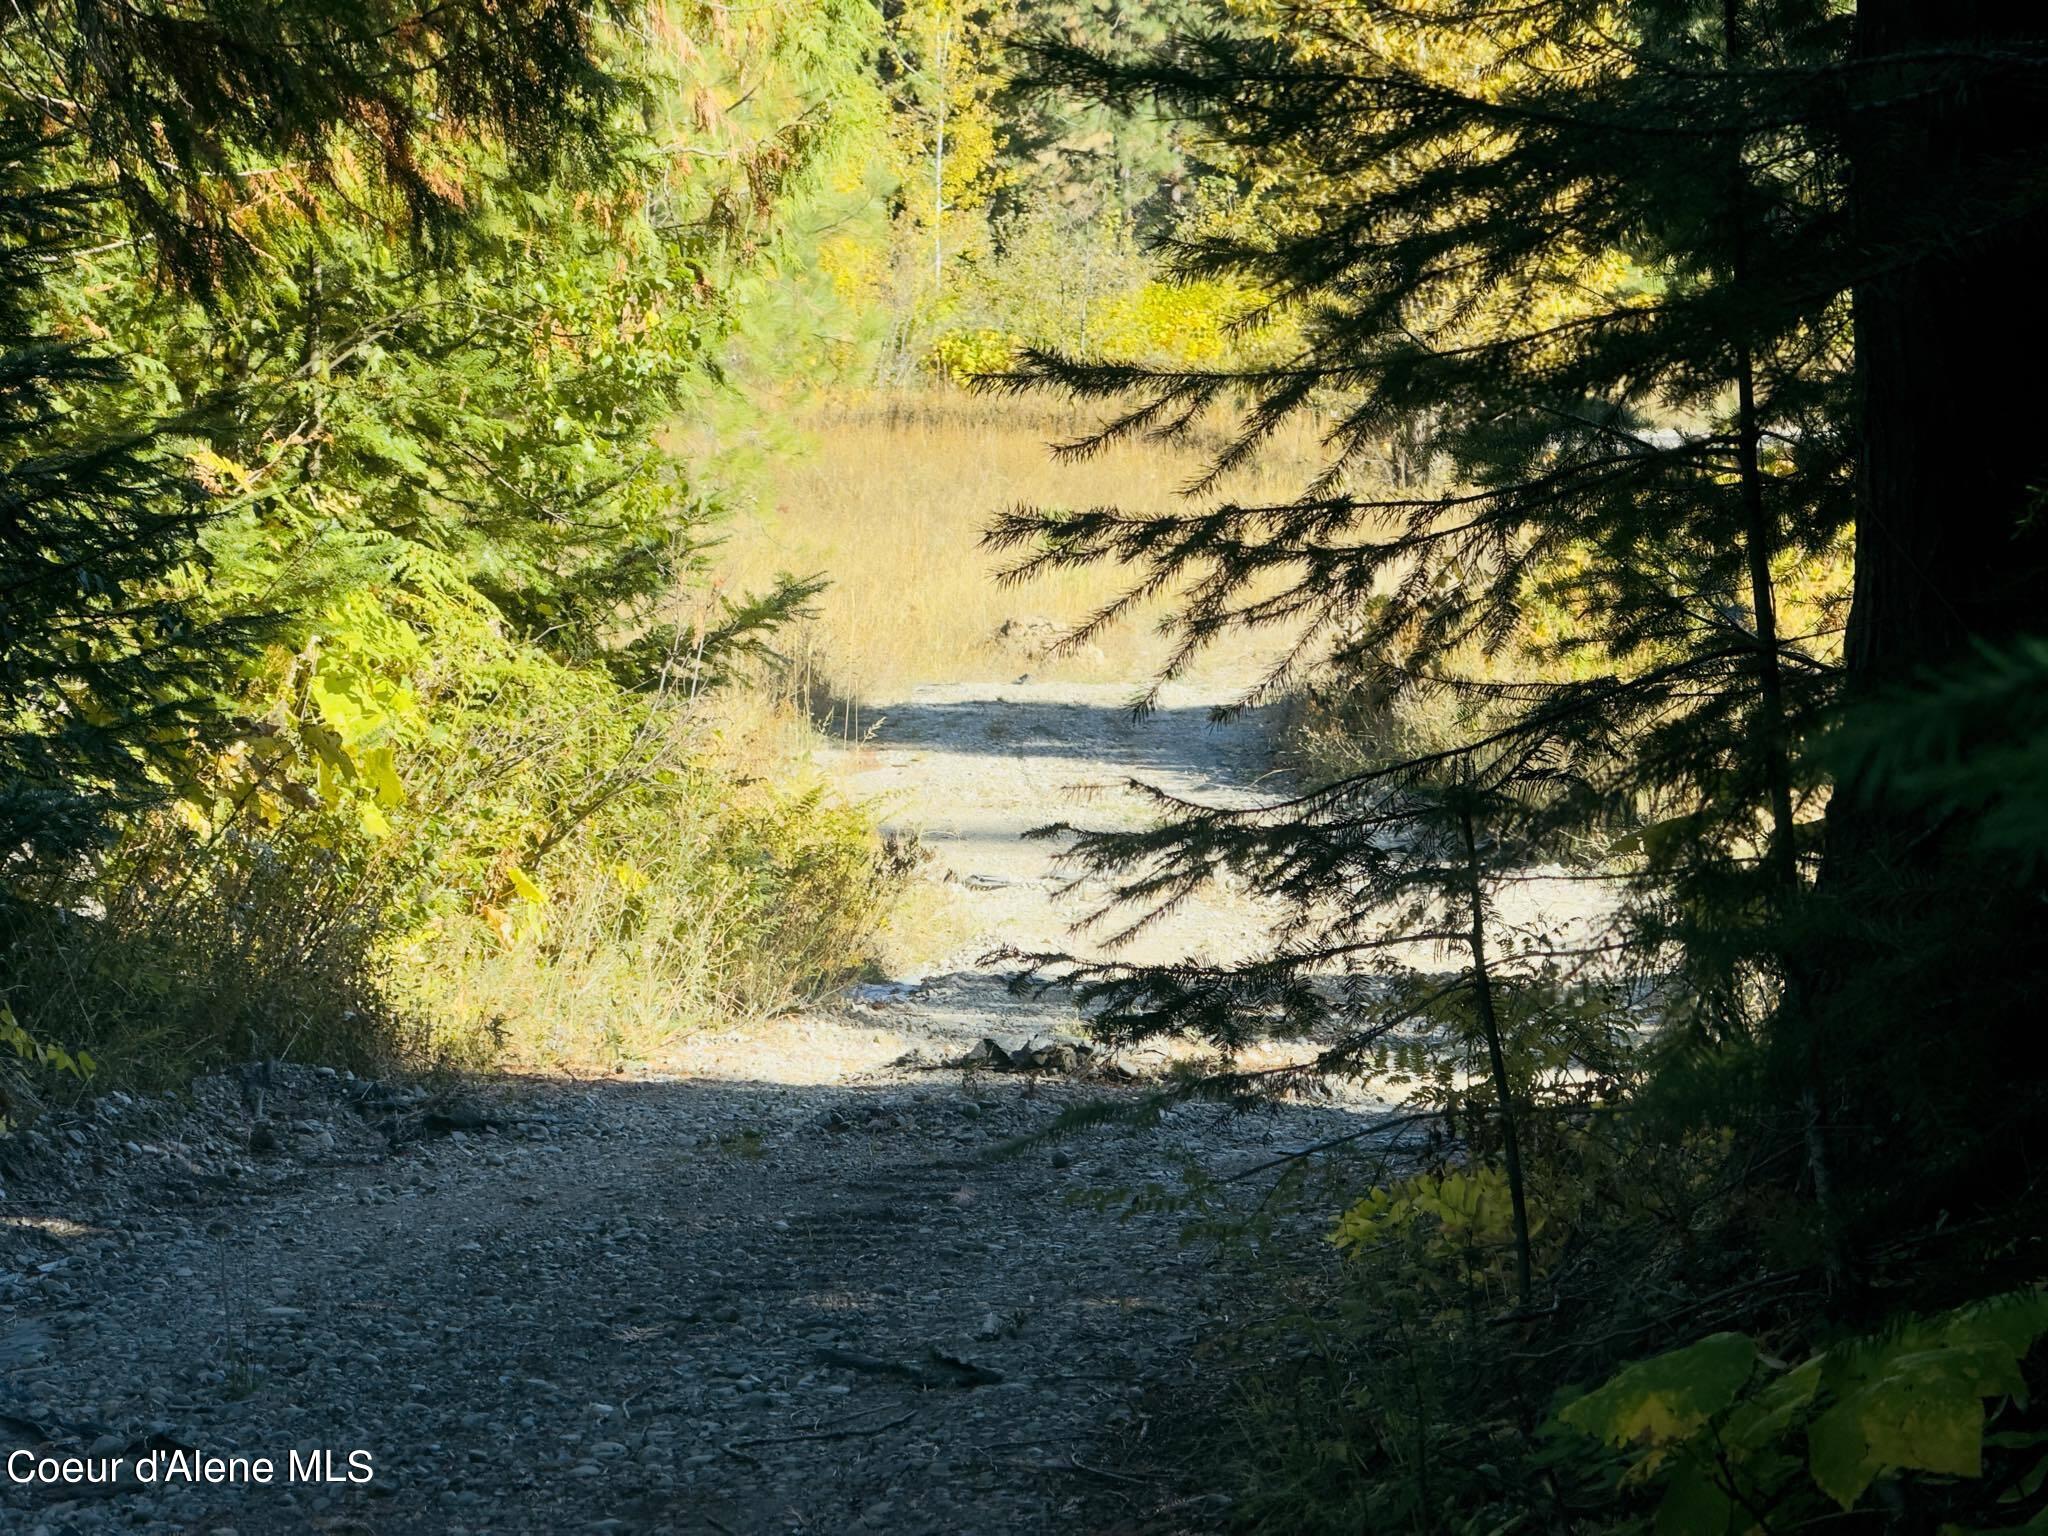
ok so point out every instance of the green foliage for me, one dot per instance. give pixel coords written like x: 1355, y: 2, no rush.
x: 189, y: 106
x: 684, y: 898
x: 400, y: 650
x: 1089, y: 288
x: 1669, y: 1398
x: 960, y: 357
x: 1969, y: 743
x: 1378, y: 1397
x: 41, y: 1053
x: 1718, y: 1429
x: 1460, y: 1209
x: 108, y: 665
x: 978, y: 219
x: 1079, y: 161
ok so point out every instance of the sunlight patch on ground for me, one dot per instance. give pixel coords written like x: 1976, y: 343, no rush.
x: 52, y: 1226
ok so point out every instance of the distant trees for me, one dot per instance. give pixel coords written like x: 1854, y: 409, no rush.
x: 990, y: 217
x: 343, y: 576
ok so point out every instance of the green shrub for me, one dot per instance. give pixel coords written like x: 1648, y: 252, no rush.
x: 527, y: 862
x: 1729, y: 1439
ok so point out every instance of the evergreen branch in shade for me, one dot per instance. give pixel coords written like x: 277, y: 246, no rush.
x: 110, y: 676
x: 1968, y: 744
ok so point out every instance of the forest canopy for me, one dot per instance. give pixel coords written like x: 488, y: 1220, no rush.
x: 356, y: 633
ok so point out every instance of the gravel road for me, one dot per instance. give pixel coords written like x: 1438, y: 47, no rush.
x: 778, y: 1282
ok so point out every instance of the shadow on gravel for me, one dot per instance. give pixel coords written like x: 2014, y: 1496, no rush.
x: 1178, y: 739
x: 679, y: 1305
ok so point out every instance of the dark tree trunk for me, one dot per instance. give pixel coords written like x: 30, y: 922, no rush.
x: 1497, y: 1065
x: 1933, y: 972
x: 1951, y: 334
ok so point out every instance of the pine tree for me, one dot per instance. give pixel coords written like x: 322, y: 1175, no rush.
x: 112, y: 669
x: 195, y: 107
x: 1603, y: 269
x: 1077, y: 165
x: 1932, y: 956
x: 1415, y: 976
x: 106, y: 673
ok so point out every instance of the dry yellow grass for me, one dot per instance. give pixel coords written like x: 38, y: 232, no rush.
x: 748, y: 890
x: 889, y: 496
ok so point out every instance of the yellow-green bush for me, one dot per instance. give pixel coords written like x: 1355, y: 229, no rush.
x: 959, y: 357
x: 1188, y: 324
x: 442, y: 844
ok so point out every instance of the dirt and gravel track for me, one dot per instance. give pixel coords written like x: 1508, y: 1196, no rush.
x: 778, y: 1282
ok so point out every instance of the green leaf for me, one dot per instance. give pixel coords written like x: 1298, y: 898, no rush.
x: 373, y: 820
x: 1669, y: 1397
x: 1769, y: 1415
x: 379, y: 765
x: 1915, y: 1402
x: 1935, y: 1425
x: 1695, y: 1504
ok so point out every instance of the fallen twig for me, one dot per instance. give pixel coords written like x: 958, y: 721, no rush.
x: 828, y: 1434
x: 1394, y: 1123
x: 1116, y: 1477
x: 940, y: 1371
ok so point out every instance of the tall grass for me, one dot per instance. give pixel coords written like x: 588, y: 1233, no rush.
x: 699, y: 873
x: 744, y: 887
x: 889, y: 494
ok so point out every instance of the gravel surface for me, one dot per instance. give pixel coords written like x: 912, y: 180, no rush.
x: 782, y: 1281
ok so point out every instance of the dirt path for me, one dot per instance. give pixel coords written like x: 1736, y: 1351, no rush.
x: 777, y: 1284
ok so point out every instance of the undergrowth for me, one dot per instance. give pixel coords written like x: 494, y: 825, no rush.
x: 1694, y: 1372
x: 578, y: 884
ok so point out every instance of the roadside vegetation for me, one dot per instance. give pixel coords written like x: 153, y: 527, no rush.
x: 365, y: 698
x: 453, y: 458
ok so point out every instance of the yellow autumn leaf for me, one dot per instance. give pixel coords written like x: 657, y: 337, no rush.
x: 379, y: 766
x: 501, y: 924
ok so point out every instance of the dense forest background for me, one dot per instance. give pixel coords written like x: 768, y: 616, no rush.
x: 361, y: 634
x: 363, y: 691
x: 1649, y: 497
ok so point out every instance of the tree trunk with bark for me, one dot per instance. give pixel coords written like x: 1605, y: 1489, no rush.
x: 1948, y: 145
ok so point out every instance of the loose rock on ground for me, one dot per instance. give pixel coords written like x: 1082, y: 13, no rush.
x: 787, y: 1280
